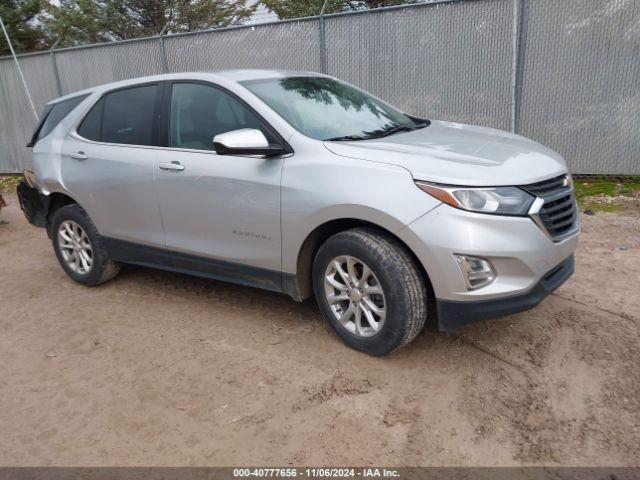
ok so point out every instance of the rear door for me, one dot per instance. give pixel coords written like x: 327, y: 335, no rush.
x: 108, y: 164
x: 218, y: 210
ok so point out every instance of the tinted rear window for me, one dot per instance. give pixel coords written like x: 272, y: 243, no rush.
x: 128, y: 116
x: 53, y: 115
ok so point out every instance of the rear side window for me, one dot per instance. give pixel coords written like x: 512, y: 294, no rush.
x: 128, y: 116
x: 53, y: 115
x: 123, y: 116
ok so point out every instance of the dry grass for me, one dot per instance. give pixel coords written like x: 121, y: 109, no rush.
x: 8, y: 183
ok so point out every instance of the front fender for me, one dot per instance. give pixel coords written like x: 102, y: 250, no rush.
x: 317, y: 191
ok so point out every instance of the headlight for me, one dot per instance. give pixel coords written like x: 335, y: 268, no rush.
x: 495, y: 200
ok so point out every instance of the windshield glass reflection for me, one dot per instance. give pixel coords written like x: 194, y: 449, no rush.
x: 326, y: 109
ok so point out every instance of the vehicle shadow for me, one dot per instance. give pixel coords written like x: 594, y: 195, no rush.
x: 289, y: 315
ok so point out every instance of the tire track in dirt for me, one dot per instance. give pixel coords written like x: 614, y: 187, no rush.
x: 527, y: 413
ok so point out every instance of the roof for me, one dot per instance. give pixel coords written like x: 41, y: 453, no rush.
x: 256, y: 74
x: 224, y: 75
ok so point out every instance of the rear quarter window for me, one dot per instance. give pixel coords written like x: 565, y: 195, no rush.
x: 90, y: 126
x: 53, y: 115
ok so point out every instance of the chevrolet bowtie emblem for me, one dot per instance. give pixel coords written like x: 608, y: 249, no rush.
x: 568, y: 181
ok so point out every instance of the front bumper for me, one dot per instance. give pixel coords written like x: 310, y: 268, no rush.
x: 522, y: 255
x: 453, y: 314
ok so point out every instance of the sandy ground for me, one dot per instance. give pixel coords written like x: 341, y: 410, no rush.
x: 157, y: 368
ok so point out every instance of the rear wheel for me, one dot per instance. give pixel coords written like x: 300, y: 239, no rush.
x: 370, y: 290
x: 79, y: 247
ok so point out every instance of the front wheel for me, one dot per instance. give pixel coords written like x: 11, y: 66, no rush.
x: 370, y: 289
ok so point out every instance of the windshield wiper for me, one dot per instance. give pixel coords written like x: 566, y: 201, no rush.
x: 382, y: 133
x: 398, y: 129
x: 345, y: 137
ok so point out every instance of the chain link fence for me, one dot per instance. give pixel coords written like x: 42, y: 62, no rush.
x: 563, y: 72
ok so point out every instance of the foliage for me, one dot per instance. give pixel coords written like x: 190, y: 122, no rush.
x: 605, y: 194
x: 593, y: 186
x: 9, y: 183
x: 20, y: 20
x: 36, y: 24
x: 94, y: 21
x: 296, y: 9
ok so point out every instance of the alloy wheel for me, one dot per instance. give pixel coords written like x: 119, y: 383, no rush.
x: 355, y: 296
x: 75, y: 247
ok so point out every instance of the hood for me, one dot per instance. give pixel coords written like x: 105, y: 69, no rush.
x: 458, y: 154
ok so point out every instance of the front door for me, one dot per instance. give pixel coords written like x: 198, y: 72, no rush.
x: 221, y: 213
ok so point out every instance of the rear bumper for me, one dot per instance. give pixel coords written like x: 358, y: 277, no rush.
x: 453, y: 314
x: 34, y: 204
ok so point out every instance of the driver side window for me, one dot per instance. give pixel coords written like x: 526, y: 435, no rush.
x: 200, y: 112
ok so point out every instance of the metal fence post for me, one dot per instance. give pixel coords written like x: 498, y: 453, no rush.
x: 20, y: 74
x: 323, y: 47
x: 323, y: 43
x: 520, y: 17
x: 56, y: 73
x: 163, y: 51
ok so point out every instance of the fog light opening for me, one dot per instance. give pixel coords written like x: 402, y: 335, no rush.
x: 476, y: 271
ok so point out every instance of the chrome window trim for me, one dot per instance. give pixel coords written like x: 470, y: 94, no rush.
x: 74, y: 134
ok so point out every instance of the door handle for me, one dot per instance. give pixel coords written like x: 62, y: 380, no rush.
x: 177, y: 166
x: 79, y: 156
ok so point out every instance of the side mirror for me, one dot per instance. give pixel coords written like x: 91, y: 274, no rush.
x: 246, y: 141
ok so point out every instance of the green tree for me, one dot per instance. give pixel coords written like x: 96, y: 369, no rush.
x: 296, y: 9
x: 20, y: 20
x: 77, y: 22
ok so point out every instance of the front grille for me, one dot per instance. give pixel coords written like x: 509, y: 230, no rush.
x: 558, y: 214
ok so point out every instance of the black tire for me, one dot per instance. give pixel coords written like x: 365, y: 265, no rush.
x: 102, y: 267
x: 404, y: 287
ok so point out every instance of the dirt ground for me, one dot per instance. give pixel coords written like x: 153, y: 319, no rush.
x: 157, y: 368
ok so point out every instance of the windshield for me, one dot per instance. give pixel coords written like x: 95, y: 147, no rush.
x: 325, y: 109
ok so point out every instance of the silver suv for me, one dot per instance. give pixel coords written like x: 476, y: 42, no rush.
x: 299, y: 183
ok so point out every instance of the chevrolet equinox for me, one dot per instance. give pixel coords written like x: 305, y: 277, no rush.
x: 299, y: 183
